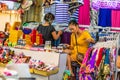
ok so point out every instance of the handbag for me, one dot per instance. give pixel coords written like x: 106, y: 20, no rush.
x: 79, y: 55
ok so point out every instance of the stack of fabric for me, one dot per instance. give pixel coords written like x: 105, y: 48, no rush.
x: 62, y: 15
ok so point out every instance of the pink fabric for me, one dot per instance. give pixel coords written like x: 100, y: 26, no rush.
x: 116, y: 18
x: 84, y: 13
x: 86, y: 56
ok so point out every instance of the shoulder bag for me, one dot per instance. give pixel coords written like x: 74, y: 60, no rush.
x: 79, y: 55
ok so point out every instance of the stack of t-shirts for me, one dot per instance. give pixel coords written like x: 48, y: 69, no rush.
x: 72, y: 1
x: 50, y: 9
x: 56, y: 1
x: 62, y: 15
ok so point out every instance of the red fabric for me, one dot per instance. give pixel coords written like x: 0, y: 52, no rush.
x: 99, y: 57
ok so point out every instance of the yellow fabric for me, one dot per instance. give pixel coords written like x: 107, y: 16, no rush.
x: 81, y: 42
x: 15, y: 35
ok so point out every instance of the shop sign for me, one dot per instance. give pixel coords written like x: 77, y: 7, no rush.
x: 111, y: 4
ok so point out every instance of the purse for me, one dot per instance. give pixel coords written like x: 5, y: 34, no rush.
x: 79, y: 55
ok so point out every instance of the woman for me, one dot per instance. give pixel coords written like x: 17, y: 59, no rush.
x: 80, y: 40
x: 6, y: 31
x: 7, y: 28
x: 16, y: 26
x: 47, y: 30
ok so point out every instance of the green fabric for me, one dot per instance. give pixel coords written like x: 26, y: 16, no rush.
x: 67, y: 72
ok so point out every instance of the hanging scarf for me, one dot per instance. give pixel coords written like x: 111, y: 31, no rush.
x: 73, y: 7
x: 86, y: 73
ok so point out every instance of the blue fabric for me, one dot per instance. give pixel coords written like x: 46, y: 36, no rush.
x: 107, y: 60
x: 57, y: 42
x: 104, y: 18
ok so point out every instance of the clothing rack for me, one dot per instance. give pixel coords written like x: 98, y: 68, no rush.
x: 99, y: 27
x: 118, y: 46
x: 90, y: 28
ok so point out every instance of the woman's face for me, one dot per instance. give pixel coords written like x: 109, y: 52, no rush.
x: 73, y: 28
x: 8, y: 27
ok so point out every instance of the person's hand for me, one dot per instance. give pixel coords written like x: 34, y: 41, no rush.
x: 90, y: 40
x: 66, y: 45
x: 68, y: 51
x: 60, y: 32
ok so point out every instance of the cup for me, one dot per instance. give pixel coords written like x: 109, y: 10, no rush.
x: 47, y: 45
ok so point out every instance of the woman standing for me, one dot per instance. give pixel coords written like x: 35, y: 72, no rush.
x: 47, y: 30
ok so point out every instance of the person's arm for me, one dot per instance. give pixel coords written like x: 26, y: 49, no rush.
x: 56, y: 35
x: 89, y: 39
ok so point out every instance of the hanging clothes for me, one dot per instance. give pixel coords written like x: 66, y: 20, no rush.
x: 61, y: 15
x: 115, y: 18
x: 100, y: 63
x: 94, y: 17
x: 74, y: 16
x: 87, y: 72
x: 104, y: 17
x: 84, y: 13
x: 73, y: 7
x: 99, y: 57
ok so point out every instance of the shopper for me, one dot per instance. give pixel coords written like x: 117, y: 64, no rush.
x: 80, y: 37
x: 7, y: 28
x: 16, y: 26
x: 47, y: 30
x: 6, y: 31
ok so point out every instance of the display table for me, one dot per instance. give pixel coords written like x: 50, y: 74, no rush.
x: 48, y: 57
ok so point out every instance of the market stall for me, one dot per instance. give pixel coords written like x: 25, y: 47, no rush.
x: 58, y: 59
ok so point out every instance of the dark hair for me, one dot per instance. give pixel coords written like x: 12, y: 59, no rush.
x: 49, y: 16
x: 6, y: 26
x: 73, y: 22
